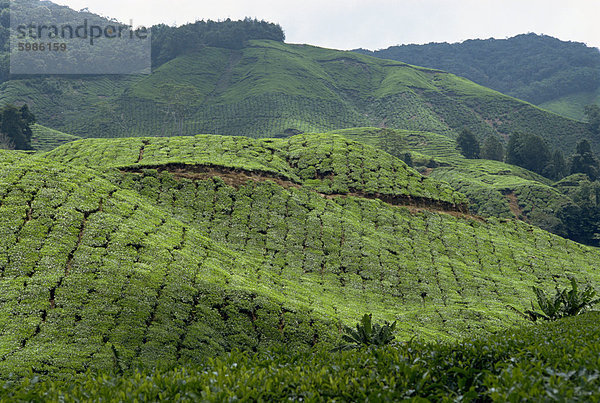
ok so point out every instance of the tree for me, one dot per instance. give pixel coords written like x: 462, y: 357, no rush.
x: 557, y: 168
x: 392, y: 142
x: 468, y: 144
x: 592, y: 112
x: 15, y: 126
x: 492, y: 149
x: 528, y: 151
x: 584, y: 161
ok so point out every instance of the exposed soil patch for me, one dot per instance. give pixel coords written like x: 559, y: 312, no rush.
x: 239, y: 177
x: 513, y: 204
x: 142, y: 148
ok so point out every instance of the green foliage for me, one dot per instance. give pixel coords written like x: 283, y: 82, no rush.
x: 15, y: 124
x: 492, y: 149
x: 592, y: 113
x: 582, y: 216
x: 564, y: 303
x: 528, y: 151
x: 468, y: 144
x: 367, y: 334
x: 536, y: 68
x: 584, y: 161
x: 557, y: 168
x: 170, y: 42
x: 554, y: 361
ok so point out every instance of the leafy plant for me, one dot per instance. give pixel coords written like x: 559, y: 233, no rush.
x: 564, y: 303
x: 367, y: 334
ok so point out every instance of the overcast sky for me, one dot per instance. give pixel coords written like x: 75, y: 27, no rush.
x: 374, y: 24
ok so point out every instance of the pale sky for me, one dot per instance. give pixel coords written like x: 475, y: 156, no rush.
x: 374, y: 24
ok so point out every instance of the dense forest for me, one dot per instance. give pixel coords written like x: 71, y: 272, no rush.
x: 170, y: 42
x: 535, y: 68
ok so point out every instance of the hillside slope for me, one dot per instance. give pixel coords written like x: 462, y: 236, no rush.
x: 493, y: 188
x: 91, y: 273
x: 269, y: 88
x: 558, y: 75
x: 176, y: 250
x: 441, y: 273
x: 46, y: 139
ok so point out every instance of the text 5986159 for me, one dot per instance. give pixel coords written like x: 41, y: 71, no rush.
x: 41, y: 47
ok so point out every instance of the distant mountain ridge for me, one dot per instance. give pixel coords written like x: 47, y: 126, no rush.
x: 269, y: 88
x: 536, y: 68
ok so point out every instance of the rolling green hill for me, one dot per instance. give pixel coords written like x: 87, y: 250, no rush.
x: 493, y: 188
x: 560, y: 76
x: 171, y: 250
x: 46, y: 139
x: 89, y: 270
x: 269, y: 88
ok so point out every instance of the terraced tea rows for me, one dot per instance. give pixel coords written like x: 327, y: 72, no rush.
x: 90, y: 272
x: 131, y: 264
x: 326, y: 163
x: 434, y: 271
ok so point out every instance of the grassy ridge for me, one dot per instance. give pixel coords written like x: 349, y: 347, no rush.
x: 327, y: 163
x: 269, y: 88
x: 493, y: 188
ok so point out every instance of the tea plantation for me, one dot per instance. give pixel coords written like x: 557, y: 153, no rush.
x: 550, y: 362
x: 119, y: 254
x: 493, y: 188
x: 357, y: 252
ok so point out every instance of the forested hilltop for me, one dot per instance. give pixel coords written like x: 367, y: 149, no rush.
x: 168, y: 42
x: 562, y: 76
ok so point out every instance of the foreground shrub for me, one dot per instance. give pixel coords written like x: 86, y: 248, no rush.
x: 564, y: 303
x: 367, y: 334
x: 541, y: 362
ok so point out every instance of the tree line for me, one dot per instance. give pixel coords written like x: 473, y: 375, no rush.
x: 170, y: 42
x: 531, y: 152
x: 577, y: 176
